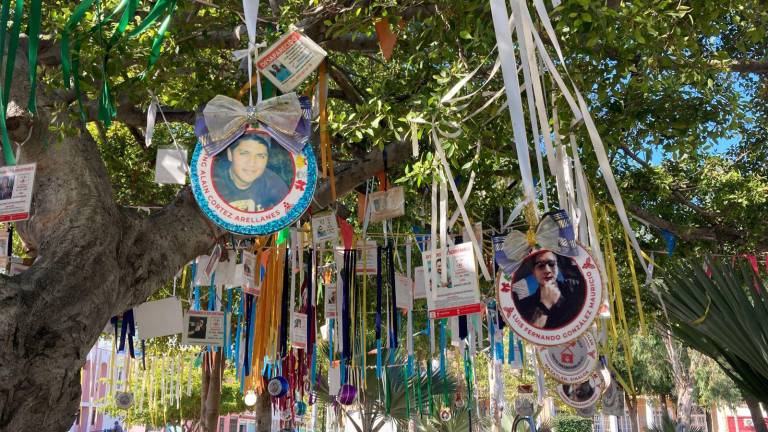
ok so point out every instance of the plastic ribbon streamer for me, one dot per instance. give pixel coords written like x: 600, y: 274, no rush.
x: 378, y: 310
x: 512, y: 86
x: 393, y: 344
x: 224, y: 120
x: 128, y: 330
x: 635, y: 284
x: 285, y: 307
x: 251, y: 12
x: 13, y: 43
x: 326, y: 155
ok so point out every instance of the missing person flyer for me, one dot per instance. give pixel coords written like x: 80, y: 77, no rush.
x: 16, y: 184
x: 203, y: 328
x: 461, y: 294
x: 290, y: 60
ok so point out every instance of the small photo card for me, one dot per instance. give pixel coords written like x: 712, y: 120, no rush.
x: 290, y: 60
x: 16, y: 183
x: 170, y: 166
x: 324, y: 228
x: 386, y: 204
x: 203, y: 328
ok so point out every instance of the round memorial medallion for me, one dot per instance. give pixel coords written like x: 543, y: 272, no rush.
x: 254, y: 186
x: 551, y: 299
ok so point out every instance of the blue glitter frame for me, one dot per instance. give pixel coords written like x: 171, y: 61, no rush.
x: 291, y: 216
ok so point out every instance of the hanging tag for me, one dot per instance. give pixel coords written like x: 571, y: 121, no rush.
x: 170, y: 166
x: 203, y: 328
x: 366, y: 249
x: 299, y: 330
x: 420, y: 283
x: 151, y: 117
x: 290, y: 60
x: 330, y: 301
x: 387, y: 204
x: 159, y: 318
x: 324, y: 228
x: 404, y: 288
x: 461, y: 293
x: 16, y: 184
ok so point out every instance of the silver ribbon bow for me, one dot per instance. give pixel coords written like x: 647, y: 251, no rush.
x: 554, y: 233
x: 226, y: 119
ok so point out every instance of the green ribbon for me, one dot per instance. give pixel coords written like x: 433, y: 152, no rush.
x: 283, y: 236
x: 158, y: 41
x: 33, y: 29
x: 152, y: 16
x: 74, y: 20
x: 13, y: 44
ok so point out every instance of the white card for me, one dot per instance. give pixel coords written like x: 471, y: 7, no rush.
x: 330, y: 301
x: 250, y: 268
x: 225, y: 271
x: 420, y: 283
x: 334, y: 380
x: 299, y: 330
x: 16, y: 183
x: 290, y: 60
x: 203, y: 328
x: 159, y: 318
x: 324, y: 228
x: 404, y: 291
x: 386, y: 204
x: 367, y: 250
x: 169, y: 166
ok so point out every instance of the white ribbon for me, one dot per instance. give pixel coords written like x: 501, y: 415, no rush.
x: 151, y: 118
x: 251, y: 12
x: 512, y: 87
x: 467, y: 221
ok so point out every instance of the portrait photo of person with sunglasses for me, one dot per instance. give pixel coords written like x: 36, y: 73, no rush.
x: 549, y: 290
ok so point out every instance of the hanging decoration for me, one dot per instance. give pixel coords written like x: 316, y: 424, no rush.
x: 572, y: 362
x: 553, y: 294
x: 290, y: 60
x: 584, y: 394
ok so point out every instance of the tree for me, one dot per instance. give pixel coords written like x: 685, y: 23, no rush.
x: 667, y: 80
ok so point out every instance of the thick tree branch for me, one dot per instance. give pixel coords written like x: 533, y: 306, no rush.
x: 750, y: 66
x: 348, y: 88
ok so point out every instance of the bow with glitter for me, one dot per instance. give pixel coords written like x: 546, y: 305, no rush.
x: 554, y: 233
x: 285, y: 118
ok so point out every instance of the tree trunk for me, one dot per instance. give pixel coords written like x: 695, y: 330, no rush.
x: 632, y: 408
x: 210, y: 394
x: 755, y: 412
x: 263, y: 413
x: 682, y: 379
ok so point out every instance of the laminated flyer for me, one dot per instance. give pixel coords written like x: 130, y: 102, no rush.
x: 461, y: 294
x: 16, y: 184
x: 290, y: 60
x: 203, y: 328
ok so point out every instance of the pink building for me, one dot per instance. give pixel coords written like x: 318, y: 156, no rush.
x: 94, y: 381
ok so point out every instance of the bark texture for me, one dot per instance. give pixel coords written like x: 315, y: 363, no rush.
x: 94, y: 260
x: 756, y: 413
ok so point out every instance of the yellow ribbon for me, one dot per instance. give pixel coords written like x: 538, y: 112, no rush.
x: 635, y: 284
x: 701, y: 319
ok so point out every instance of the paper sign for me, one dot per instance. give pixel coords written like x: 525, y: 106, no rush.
x: 290, y: 60
x: 330, y: 301
x: 324, y: 228
x: 203, y: 328
x: 461, y: 294
x: 16, y: 184
x: 334, y: 379
x: 299, y: 330
x: 169, y: 166
x: 366, y: 258
x: 404, y: 291
x: 225, y: 271
x: 4, y: 243
x: 159, y: 318
x: 386, y: 204
x: 420, y: 284
x: 237, y: 279
x: 249, y: 270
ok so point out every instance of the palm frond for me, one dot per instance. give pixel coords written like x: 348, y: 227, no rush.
x: 724, y: 316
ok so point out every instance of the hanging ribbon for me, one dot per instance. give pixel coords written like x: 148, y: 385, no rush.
x: 378, y: 310
x: 128, y: 330
x: 393, y: 344
x: 325, y: 142
x: 33, y: 31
